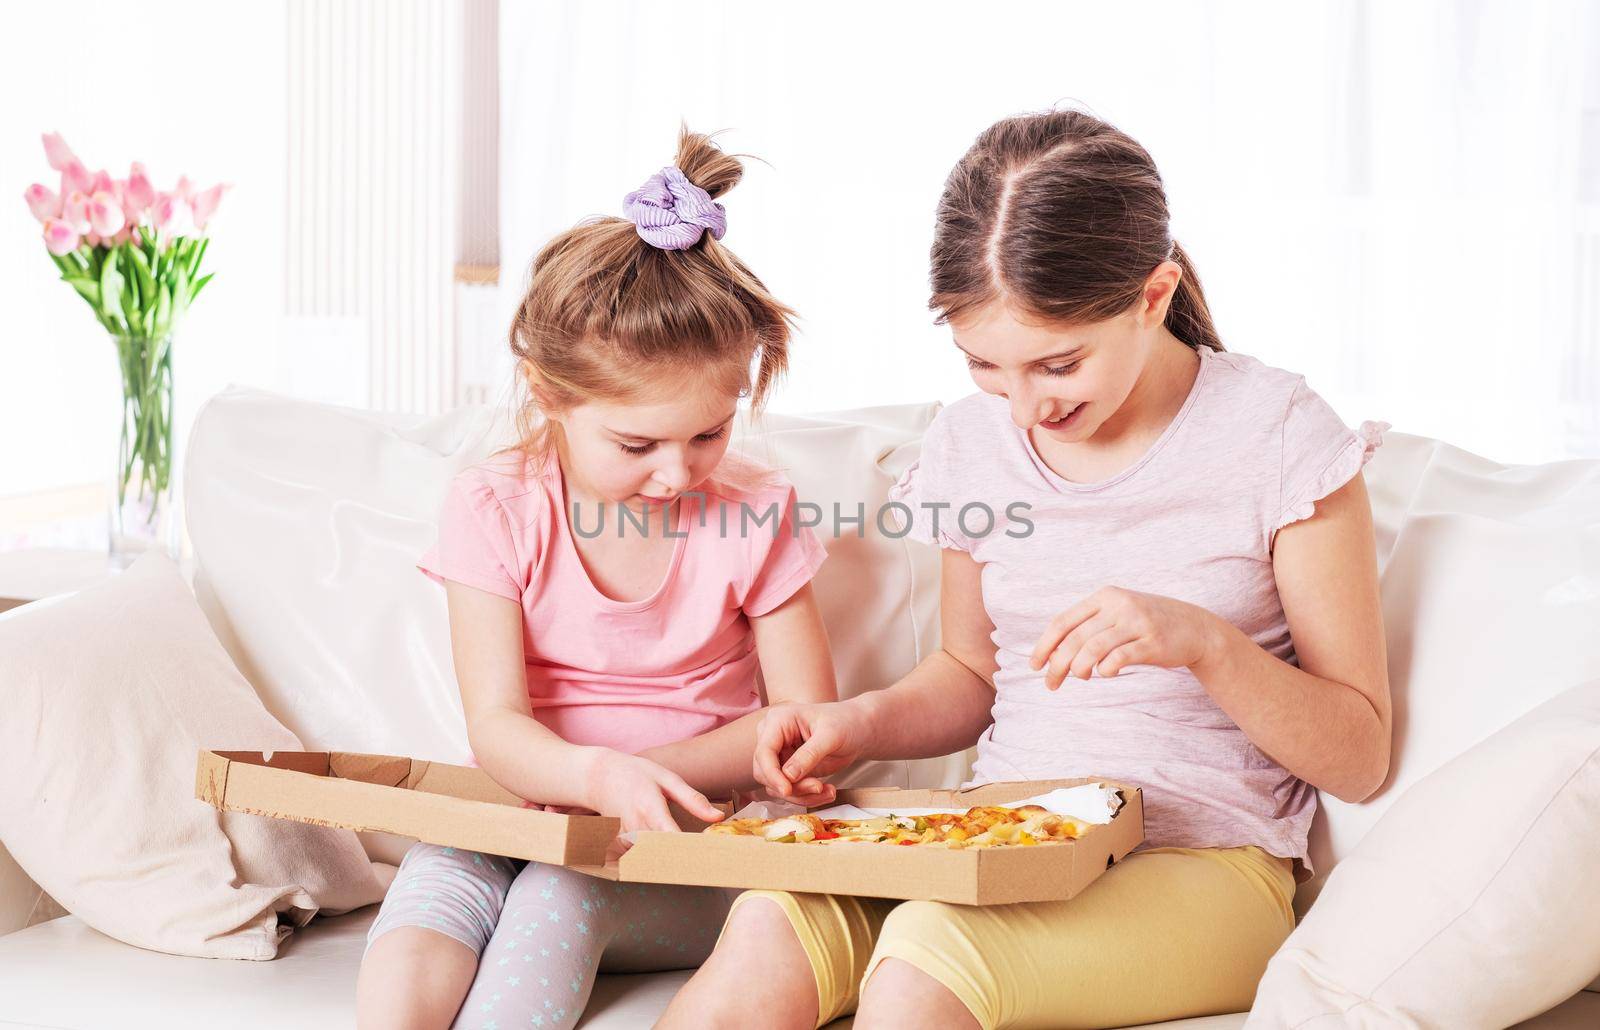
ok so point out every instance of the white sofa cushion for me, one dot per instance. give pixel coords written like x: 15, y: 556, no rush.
x: 307, y: 520
x: 1472, y: 903
x: 1491, y: 598
x: 109, y: 695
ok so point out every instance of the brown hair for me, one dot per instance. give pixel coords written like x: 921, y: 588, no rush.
x: 602, y: 304
x: 1063, y: 217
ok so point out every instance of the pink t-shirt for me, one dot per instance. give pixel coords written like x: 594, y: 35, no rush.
x: 627, y: 674
x: 1251, y: 450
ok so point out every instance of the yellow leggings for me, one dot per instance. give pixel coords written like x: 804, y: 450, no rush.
x: 1166, y: 933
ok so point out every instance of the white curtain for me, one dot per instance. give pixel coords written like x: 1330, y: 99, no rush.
x: 1397, y: 199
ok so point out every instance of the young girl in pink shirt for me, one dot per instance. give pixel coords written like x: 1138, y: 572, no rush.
x: 1158, y: 566
x: 615, y: 583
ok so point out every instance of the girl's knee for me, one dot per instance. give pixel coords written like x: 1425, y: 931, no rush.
x: 760, y: 940
x: 450, y: 891
x: 413, y: 977
x: 919, y: 921
x: 758, y: 960
x: 760, y: 916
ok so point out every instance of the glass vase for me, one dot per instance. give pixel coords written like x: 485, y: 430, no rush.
x: 144, y: 513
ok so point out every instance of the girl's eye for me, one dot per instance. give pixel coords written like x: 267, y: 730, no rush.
x: 646, y: 448
x: 978, y: 366
x: 1062, y: 370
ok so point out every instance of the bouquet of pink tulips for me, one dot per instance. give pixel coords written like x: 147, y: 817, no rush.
x: 133, y: 254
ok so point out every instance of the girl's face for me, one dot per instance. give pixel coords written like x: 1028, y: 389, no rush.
x: 651, y: 451
x: 1065, y: 381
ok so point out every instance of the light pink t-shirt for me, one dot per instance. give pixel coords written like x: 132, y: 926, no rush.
x: 1251, y: 450
x: 627, y: 674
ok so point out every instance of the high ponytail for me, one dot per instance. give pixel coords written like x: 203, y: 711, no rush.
x: 602, y: 305
x: 1063, y: 217
x: 705, y: 164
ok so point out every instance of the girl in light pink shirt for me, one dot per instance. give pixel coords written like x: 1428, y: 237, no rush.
x: 1158, y: 567
x: 616, y: 582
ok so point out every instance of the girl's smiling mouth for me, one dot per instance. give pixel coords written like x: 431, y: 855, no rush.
x: 1065, y: 422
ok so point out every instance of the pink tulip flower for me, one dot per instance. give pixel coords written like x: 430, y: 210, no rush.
x: 205, y: 204
x: 57, y: 152
x: 138, y: 194
x: 171, y: 215
x: 105, y: 214
x: 75, y: 177
x: 42, y: 202
x: 59, y: 237
x: 75, y: 212
x: 184, y: 189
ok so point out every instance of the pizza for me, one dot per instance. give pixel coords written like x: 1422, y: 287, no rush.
x: 987, y: 826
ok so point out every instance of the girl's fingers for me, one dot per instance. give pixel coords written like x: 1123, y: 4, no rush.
x: 1058, y: 629
x: 689, y: 799
x: 1072, y: 644
x: 814, y: 799
x: 1120, y: 657
x: 1095, y: 649
x: 811, y: 792
x: 770, y: 740
x: 655, y: 816
x: 809, y: 755
x: 1062, y: 661
x: 1056, y: 670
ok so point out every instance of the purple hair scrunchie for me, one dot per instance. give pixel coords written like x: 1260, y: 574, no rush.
x: 672, y: 213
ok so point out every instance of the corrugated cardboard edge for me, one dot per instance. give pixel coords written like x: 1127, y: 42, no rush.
x: 398, y: 795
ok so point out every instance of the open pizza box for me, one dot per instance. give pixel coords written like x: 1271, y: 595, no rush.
x: 462, y: 807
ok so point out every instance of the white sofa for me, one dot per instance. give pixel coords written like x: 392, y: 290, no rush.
x: 306, y: 518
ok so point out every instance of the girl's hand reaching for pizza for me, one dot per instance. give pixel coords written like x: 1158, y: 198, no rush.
x: 1113, y: 628
x: 798, y: 744
x: 636, y: 790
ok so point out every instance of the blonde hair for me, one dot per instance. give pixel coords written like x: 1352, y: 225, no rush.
x: 608, y: 317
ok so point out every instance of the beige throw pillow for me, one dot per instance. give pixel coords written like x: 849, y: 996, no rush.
x: 107, y: 697
x: 1472, y: 903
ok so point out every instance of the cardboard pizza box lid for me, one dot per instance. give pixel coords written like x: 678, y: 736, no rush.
x: 444, y: 804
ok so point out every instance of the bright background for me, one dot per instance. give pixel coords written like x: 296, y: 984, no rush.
x: 1400, y: 200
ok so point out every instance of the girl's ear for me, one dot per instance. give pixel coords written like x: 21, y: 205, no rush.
x: 1159, y: 289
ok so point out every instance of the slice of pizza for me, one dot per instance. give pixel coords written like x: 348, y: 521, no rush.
x: 791, y: 829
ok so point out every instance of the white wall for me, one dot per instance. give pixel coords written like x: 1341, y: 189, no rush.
x: 1398, y: 200
x: 188, y: 88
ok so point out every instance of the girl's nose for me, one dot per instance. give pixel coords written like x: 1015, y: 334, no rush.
x: 1026, y: 408
x: 674, y: 475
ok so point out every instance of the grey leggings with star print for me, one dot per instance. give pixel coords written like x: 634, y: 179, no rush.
x: 542, y: 932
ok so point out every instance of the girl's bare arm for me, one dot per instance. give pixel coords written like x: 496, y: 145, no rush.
x: 797, y: 667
